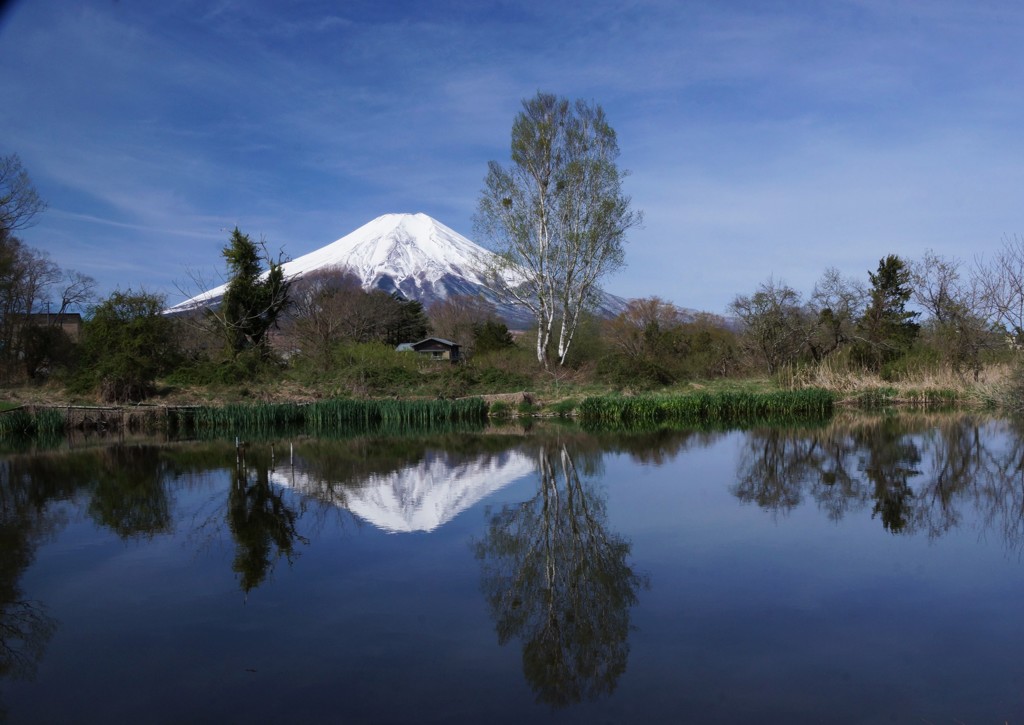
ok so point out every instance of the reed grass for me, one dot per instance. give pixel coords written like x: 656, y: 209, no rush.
x: 27, y: 422
x: 722, y: 408
x: 327, y: 416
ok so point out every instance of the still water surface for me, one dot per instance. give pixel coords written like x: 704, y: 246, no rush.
x: 866, y: 571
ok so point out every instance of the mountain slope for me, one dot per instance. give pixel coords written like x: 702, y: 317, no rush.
x: 409, y: 253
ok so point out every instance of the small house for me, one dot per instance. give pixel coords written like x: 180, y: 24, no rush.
x: 435, y: 348
x: 69, y: 322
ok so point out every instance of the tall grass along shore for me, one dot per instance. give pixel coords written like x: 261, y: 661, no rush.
x: 320, y: 418
x: 707, y: 408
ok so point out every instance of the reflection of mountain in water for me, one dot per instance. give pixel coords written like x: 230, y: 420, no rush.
x: 419, y: 497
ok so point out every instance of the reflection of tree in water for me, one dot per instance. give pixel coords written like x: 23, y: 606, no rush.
x: 127, y: 496
x: 774, y: 465
x: 262, y: 524
x: 918, y: 473
x: 128, y: 493
x: 25, y: 625
x: 997, y: 480
x: 555, y: 577
x: 890, y: 458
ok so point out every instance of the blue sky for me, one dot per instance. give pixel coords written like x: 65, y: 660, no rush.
x: 763, y: 138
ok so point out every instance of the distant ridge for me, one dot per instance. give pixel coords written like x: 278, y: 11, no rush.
x: 413, y: 254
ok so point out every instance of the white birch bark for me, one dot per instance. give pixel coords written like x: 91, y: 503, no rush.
x: 558, y: 214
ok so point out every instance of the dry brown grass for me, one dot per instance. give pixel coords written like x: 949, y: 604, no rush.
x: 921, y: 386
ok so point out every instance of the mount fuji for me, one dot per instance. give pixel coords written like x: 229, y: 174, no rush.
x: 418, y: 497
x: 412, y: 254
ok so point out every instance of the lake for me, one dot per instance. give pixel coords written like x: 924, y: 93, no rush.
x: 868, y: 570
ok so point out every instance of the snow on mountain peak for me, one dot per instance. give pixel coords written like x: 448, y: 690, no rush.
x: 418, y: 497
x: 410, y: 253
x: 398, y: 246
x: 414, y: 255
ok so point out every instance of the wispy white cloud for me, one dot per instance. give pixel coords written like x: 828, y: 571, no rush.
x: 762, y: 139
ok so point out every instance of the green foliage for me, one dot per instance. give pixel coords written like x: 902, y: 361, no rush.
x: 22, y: 422
x: 449, y: 381
x: 526, y: 407
x: 497, y: 380
x: 363, y: 369
x: 642, y: 374
x: 250, y: 366
x: 30, y: 344
x: 375, y: 369
x: 327, y: 417
x: 499, y: 409
x: 491, y: 336
x: 251, y: 304
x: 916, y: 362
x: 887, y: 329
x: 563, y: 408
x: 126, y: 345
x: 557, y: 215
x: 407, y: 323
x: 719, y: 408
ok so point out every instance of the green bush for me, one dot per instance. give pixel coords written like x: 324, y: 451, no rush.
x: 916, y: 362
x: 526, y: 408
x: 248, y: 366
x: 564, y: 408
x: 498, y: 380
x: 126, y: 344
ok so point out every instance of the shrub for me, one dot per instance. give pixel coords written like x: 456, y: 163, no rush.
x: 564, y: 408
x: 127, y: 343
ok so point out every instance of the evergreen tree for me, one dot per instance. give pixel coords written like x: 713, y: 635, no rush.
x: 490, y: 336
x: 887, y: 329
x: 253, y: 301
x: 405, y: 321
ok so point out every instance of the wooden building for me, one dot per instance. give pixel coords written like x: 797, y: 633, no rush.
x: 436, y: 348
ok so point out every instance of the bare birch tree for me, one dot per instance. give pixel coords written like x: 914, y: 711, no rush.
x: 557, y: 215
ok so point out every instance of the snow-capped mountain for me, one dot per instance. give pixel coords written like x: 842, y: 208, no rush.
x: 420, y: 497
x: 409, y: 253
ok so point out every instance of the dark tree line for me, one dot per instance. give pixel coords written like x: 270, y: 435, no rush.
x: 935, y: 308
